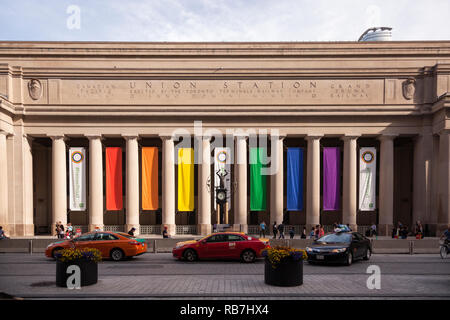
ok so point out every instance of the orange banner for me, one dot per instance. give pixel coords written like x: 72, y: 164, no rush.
x: 114, y: 199
x: 149, y: 178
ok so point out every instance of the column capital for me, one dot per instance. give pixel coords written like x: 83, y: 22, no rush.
x: 385, y: 137
x: 166, y: 137
x: 241, y: 135
x: 280, y: 136
x: 313, y: 137
x: 57, y: 137
x: 347, y: 137
x: 94, y: 136
x: 203, y: 137
x: 28, y: 137
x: 130, y: 136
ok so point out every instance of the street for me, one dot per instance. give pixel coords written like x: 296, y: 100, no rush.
x: 159, y: 276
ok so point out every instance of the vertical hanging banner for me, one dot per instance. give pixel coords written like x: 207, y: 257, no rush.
x: 331, y: 179
x: 150, y: 178
x: 222, y: 161
x: 186, y: 179
x: 258, y: 181
x: 77, y: 179
x: 367, y: 178
x: 114, y: 200
x: 294, y: 179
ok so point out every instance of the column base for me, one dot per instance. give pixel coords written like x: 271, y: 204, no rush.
x: 19, y: 230
x: 93, y: 227
x: 171, y: 229
x: 136, y: 226
x: 385, y: 229
x: 204, y: 229
x: 240, y: 228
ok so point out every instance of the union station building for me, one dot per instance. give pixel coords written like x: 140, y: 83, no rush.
x: 90, y: 133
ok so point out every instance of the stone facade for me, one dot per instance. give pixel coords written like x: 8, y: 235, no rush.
x: 391, y: 95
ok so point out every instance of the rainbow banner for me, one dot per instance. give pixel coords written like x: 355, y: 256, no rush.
x: 367, y: 178
x: 186, y: 179
x: 149, y: 178
x: 113, y: 157
x: 77, y: 179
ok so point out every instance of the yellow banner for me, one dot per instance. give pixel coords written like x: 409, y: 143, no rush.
x: 150, y: 178
x: 186, y: 179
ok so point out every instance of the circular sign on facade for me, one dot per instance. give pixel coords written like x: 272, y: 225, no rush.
x: 77, y: 157
x: 222, y: 156
x: 368, y: 157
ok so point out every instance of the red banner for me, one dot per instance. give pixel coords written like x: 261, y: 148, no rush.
x: 114, y: 199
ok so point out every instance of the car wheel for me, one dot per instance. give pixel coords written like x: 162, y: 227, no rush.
x: 117, y: 254
x: 190, y: 255
x: 54, y: 252
x: 367, y: 254
x: 349, y: 259
x: 248, y: 256
x: 443, y: 252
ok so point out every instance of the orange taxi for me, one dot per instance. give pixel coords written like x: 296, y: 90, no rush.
x: 114, y: 245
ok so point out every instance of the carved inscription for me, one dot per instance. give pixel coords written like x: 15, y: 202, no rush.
x: 226, y: 92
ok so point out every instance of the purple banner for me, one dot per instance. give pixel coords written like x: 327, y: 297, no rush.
x: 331, y: 179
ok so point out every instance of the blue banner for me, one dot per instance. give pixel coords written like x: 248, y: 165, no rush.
x: 295, y: 179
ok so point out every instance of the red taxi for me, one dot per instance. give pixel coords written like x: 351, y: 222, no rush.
x: 223, y: 245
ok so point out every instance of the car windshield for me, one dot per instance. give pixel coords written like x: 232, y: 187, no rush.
x: 336, y: 238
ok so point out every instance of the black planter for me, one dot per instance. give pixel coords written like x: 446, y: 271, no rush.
x: 288, y: 273
x: 89, y: 272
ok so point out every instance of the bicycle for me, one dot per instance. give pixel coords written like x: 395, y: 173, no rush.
x: 444, y: 249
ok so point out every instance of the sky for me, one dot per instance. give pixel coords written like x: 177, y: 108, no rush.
x: 220, y: 20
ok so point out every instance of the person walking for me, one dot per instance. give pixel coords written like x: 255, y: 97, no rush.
x: 70, y: 230
x: 312, y: 233
x: 131, y: 232
x: 262, y: 229
x: 419, y: 230
x: 321, y: 231
x: 165, y: 233
x: 303, y: 236
x: 61, y: 233
x: 2, y: 234
x: 291, y: 233
x: 274, y: 230
x: 281, y: 230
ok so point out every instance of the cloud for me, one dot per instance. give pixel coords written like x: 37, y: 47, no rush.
x: 224, y: 20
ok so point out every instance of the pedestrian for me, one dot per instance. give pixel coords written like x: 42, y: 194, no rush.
x: 291, y: 233
x: 317, y: 232
x: 281, y: 230
x: 419, y: 230
x: 165, y: 233
x: 131, y: 232
x: 70, y: 230
x: 2, y: 234
x: 404, y: 232
x: 58, y: 230
x: 303, y: 236
x: 274, y: 230
x: 321, y: 232
x: 262, y: 229
x: 373, y: 231
x: 312, y: 233
x: 61, y: 230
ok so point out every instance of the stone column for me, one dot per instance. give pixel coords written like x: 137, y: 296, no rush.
x: 28, y: 219
x: 276, y: 183
x: 204, y: 195
x: 240, y: 199
x: 132, y: 180
x: 3, y: 181
x: 95, y: 182
x: 313, y: 182
x: 444, y: 181
x: 349, y: 200
x: 59, y: 181
x: 386, y: 193
x: 423, y: 153
x: 168, y: 185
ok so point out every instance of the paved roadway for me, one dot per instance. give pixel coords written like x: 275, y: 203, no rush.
x: 159, y: 276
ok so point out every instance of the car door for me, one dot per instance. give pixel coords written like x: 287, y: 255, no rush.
x: 84, y: 241
x: 104, y: 242
x: 358, y: 245
x: 216, y: 246
x: 236, y: 244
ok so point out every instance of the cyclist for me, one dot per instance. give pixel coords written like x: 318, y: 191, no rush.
x: 446, y: 235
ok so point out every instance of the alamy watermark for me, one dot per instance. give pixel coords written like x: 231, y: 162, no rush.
x: 374, y: 280
x: 74, y: 19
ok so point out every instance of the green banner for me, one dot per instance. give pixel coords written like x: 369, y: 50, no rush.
x: 258, y: 181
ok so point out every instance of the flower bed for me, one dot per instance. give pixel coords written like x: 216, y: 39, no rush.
x: 85, y: 259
